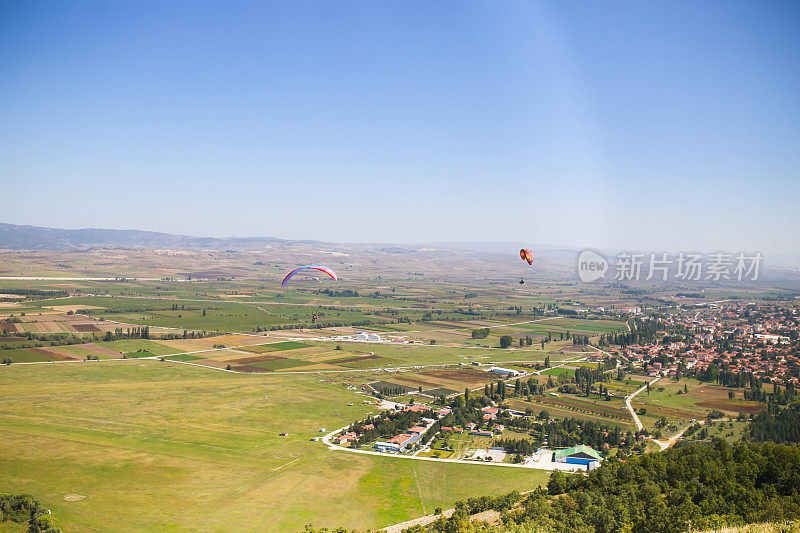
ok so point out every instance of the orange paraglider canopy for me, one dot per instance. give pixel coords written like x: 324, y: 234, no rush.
x: 527, y: 255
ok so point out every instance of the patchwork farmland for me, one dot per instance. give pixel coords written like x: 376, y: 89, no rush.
x: 186, y: 387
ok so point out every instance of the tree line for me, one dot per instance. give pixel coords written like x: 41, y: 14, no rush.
x: 781, y: 425
x: 33, y: 294
x: 344, y: 293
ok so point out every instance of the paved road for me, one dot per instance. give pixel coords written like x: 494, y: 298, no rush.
x: 630, y: 397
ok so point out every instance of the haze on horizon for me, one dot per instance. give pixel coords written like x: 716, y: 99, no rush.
x: 625, y: 125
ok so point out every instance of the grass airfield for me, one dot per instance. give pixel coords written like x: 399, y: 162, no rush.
x: 159, y: 446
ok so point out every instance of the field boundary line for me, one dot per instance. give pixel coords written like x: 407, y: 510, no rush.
x: 285, y: 464
x: 419, y: 490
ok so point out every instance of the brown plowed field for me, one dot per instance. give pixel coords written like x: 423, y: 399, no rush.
x: 57, y: 354
x: 463, y: 375
x: 410, y: 381
x: 100, y: 350
x: 259, y: 359
x: 734, y: 406
x: 85, y: 328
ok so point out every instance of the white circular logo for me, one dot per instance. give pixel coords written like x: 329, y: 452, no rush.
x: 591, y: 266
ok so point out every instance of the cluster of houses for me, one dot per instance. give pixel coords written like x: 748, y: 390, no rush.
x: 763, y: 348
x: 579, y: 456
x: 401, y: 442
x: 404, y: 441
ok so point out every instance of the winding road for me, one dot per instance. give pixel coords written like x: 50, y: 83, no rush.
x: 639, y: 425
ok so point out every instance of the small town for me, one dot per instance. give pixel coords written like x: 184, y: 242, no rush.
x: 751, y: 339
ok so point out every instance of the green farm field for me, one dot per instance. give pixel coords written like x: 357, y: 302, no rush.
x: 132, y: 345
x: 555, y: 411
x: 23, y: 355
x: 184, y: 357
x: 200, y: 450
x: 220, y: 315
x: 558, y: 371
x: 667, y: 398
x: 277, y: 347
x: 578, y: 326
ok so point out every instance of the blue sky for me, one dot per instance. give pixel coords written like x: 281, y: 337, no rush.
x: 606, y: 124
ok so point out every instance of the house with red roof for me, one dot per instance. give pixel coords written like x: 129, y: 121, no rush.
x: 400, y: 439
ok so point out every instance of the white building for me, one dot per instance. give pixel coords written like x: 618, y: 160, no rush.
x: 386, y: 447
x: 368, y: 337
x: 504, y: 371
x: 774, y: 339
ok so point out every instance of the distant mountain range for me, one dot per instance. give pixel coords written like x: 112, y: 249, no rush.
x: 17, y: 237
x: 207, y: 257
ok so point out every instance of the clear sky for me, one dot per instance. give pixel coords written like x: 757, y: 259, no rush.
x: 606, y: 124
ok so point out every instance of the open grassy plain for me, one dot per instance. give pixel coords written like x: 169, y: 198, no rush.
x: 153, y: 446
